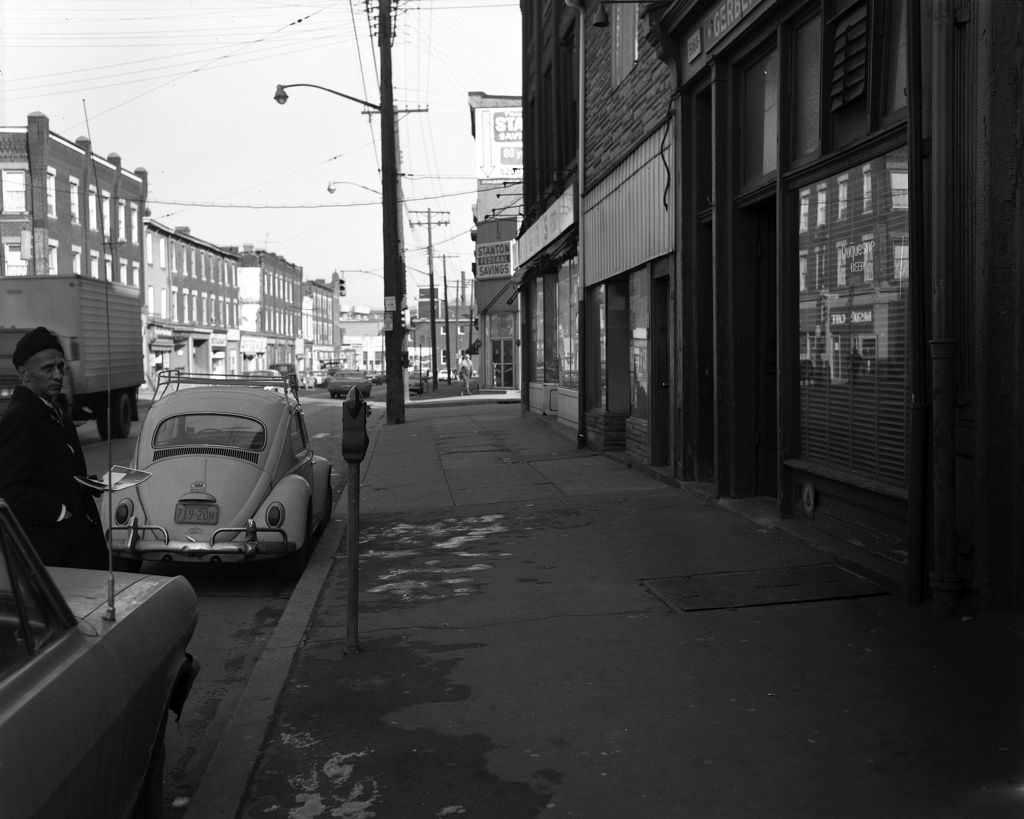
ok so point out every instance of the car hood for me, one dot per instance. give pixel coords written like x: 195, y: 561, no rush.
x: 85, y: 591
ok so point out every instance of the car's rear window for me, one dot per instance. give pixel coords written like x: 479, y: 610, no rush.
x: 210, y: 429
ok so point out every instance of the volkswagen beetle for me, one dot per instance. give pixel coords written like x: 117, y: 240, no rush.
x: 232, y: 477
x: 90, y: 665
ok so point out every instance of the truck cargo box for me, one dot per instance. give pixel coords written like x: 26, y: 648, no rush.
x: 80, y: 311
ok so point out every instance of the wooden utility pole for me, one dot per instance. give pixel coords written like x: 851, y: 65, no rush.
x: 467, y: 314
x: 394, y: 273
x: 433, y: 218
x: 447, y: 324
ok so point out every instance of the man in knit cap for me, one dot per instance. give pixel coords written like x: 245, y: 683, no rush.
x: 40, y: 455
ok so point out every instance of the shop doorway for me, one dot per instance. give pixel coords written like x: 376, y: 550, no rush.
x: 702, y: 337
x: 766, y: 351
x: 502, y: 369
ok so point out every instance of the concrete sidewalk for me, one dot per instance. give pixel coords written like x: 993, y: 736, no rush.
x: 514, y: 664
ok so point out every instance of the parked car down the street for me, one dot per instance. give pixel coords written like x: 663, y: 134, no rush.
x: 84, y: 696
x: 342, y: 381
x: 287, y: 372
x: 233, y: 478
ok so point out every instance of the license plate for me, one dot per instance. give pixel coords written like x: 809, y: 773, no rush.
x: 204, y: 513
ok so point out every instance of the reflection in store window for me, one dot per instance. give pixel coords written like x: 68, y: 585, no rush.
x: 639, y: 313
x: 853, y: 322
x: 568, y: 324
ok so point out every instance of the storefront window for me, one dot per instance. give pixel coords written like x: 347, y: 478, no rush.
x: 639, y: 321
x: 597, y: 336
x: 854, y: 271
x: 537, y: 327
x: 545, y: 328
x: 568, y: 324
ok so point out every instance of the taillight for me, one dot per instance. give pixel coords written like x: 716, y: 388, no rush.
x: 275, y: 515
x: 123, y: 512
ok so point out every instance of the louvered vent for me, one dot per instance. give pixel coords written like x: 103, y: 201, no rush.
x: 227, y: 452
x: 849, y: 57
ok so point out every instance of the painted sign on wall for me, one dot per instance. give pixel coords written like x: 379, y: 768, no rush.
x: 499, y: 143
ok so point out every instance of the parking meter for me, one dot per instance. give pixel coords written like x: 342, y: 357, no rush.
x: 354, y: 439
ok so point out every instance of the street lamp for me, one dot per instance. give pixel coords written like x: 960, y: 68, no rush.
x: 331, y: 186
x: 281, y: 96
x: 394, y: 277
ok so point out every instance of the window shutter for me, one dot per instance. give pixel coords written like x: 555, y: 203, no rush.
x: 849, y: 57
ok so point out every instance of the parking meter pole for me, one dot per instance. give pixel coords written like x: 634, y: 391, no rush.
x: 352, y: 589
x: 354, y: 443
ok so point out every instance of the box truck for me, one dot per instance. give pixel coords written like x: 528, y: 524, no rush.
x: 100, y: 326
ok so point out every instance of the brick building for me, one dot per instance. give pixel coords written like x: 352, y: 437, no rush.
x: 66, y: 211
x: 796, y: 228
x: 498, y: 133
x: 191, y: 300
x: 270, y: 308
x: 320, y: 334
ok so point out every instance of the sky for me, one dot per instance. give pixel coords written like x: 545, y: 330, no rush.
x: 185, y: 89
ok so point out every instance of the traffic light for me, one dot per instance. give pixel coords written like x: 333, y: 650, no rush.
x: 341, y: 287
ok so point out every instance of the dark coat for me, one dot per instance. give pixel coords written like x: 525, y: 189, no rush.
x: 39, y: 459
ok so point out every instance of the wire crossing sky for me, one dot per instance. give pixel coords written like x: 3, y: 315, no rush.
x: 184, y: 89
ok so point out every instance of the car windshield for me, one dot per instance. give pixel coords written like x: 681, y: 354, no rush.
x: 210, y: 429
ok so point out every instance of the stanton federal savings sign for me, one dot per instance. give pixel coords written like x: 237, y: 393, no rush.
x: 493, y: 260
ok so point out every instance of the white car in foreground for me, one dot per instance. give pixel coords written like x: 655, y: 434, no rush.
x: 233, y: 478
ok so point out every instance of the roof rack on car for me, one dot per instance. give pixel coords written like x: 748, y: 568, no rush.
x: 169, y: 381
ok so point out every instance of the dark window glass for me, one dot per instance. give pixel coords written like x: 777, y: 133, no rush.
x: 807, y: 90
x: 761, y: 118
x: 896, y: 48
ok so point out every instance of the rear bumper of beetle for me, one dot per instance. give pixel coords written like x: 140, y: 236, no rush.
x: 231, y: 544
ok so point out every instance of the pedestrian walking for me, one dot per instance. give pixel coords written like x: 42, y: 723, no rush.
x: 465, y: 373
x: 40, y: 455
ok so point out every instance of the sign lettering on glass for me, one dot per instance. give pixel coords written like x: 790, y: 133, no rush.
x: 848, y: 317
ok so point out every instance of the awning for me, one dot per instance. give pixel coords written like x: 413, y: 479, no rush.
x: 161, y: 345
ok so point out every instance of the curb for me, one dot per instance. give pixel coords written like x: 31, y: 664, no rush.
x: 221, y: 791
x: 226, y: 777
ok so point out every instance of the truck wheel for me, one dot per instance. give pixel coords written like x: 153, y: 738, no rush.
x: 120, y: 416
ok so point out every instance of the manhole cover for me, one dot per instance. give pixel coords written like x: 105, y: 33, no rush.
x: 762, y: 587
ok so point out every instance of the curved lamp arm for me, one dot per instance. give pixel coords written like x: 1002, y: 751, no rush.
x: 331, y: 186
x: 281, y: 97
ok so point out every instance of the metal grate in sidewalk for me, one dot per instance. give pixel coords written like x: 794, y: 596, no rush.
x: 761, y: 587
